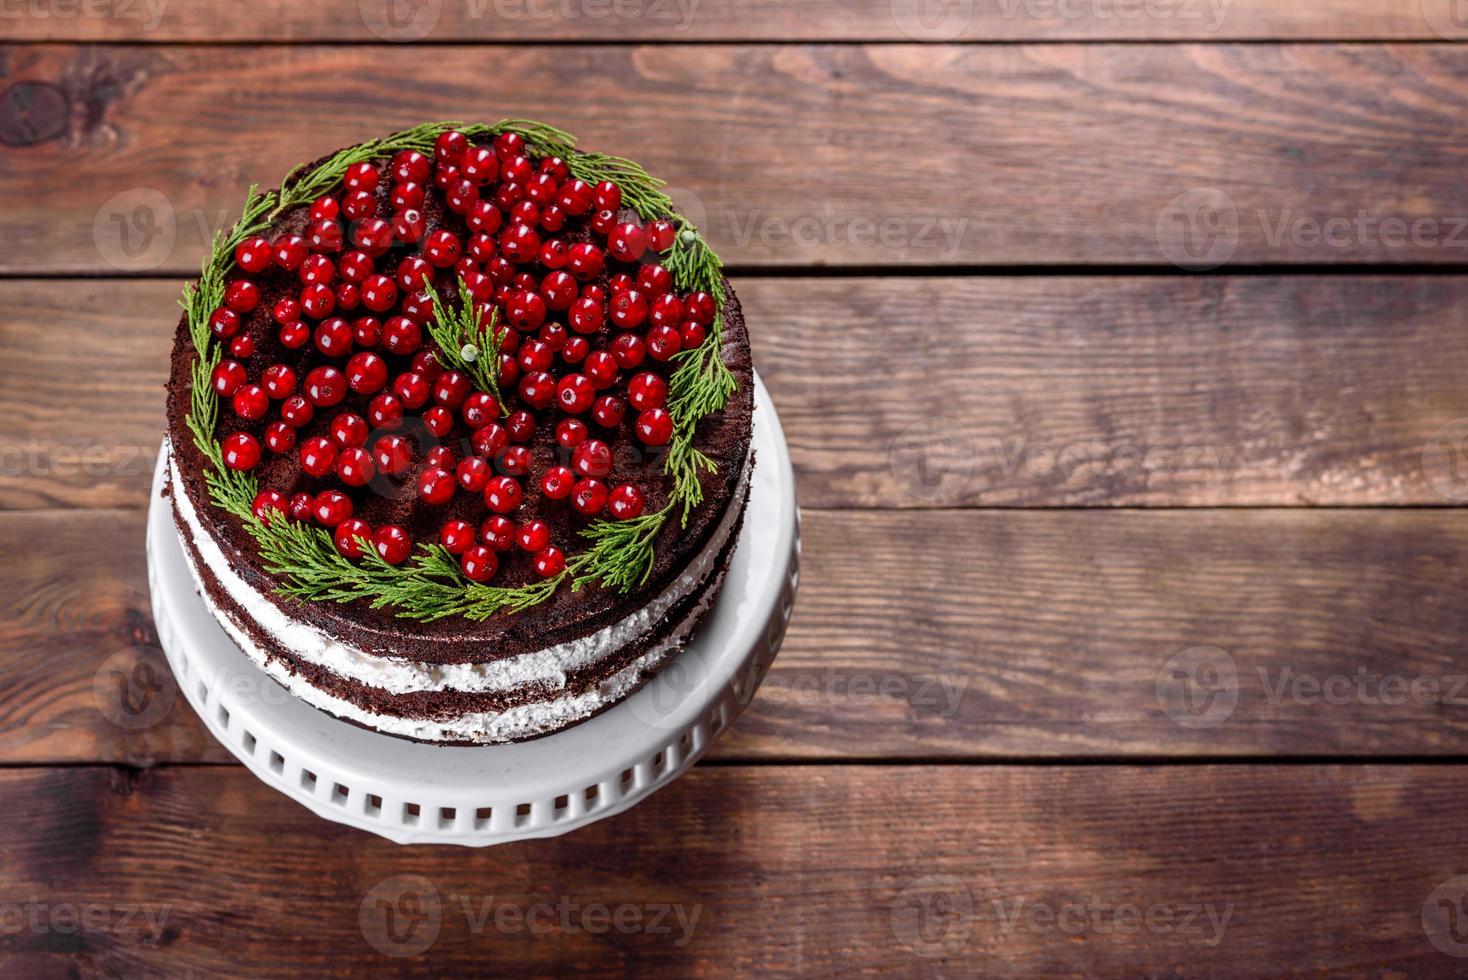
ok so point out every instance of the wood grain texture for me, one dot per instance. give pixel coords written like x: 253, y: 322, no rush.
x: 732, y: 20
x: 920, y: 634
x: 790, y: 155
x: 1012, y: 392
x: 914, y: 871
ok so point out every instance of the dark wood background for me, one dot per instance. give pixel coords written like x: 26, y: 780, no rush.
x: 1043, y: 466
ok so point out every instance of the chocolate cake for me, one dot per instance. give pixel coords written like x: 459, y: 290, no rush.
x: 459, y: 428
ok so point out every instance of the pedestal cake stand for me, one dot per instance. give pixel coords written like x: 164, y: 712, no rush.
x: 414, y: 793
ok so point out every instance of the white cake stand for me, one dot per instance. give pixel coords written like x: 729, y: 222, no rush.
x: 413, y: 793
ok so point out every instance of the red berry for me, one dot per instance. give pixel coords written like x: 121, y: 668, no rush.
x: 507, y: 146
x: 556, y: 483
x: 480, y: 409
x: 601, y: 369
x: 324, y: 209
x: 439, y: 420
x: 317, y: 301
x: 359, y: 204
x: 655, y: 427
x: 407, y: 195
x: 367, y: 331
x: 334, y: 337
x: 520, y: 243
x: 392, y: 543
x: 585, y: 261
x: 489, y: 439
x: 290, y: 252
x: 646, y: 390
x: 379, y: 293
x: 664, y: 342
x: 589, y: 496
x: 484, y: 217
x: 280, y: 438
x: 366, y: 373
x: 574, y: 393
x: 350, y: 534
x: 571, y: 433
x: 241, y: 451
x: 537, y: 389
x: 472, y: 474
x: 592, y: 458
x: 575, y: 349
x: 479, y: 564
x: 373, y: 236
x: 251, y: 402
x: 300, y: 507
x: 626, y: 502
x: 629, y: 350
x: 242, y: 346
x: 451, y: 388
x: 525, y: 310
x: 279, y: 381
x: 498, y: 533
x: 603, y: 222
x: 412, y: 389
x: 550, y: 562
x: 331, y: 507
x: 360, y: 177
x: 393, y: 455
x: 409, y: 225
x: 533, y: 535
x: 502, y: 495
x: 700, y: 308
x: 385, y: 411
x: 348, y: 430
x: 516, y: 461
x: 441, y: 248
x: 354, y: 467
x: 317, y: 269
x: 224, y: 323
x: 436, y: 486
x: 535, y: 355
x: 325, y: 386
x: 401, y: 335
x: 480, y: 165
x: 265, y: 502
x: 520, y: 425
x: 608, y: 411
x: 294, y: 335
x: 413, y: 271
x: 410, y: 165
x: 325, y: 236
x: 607, y: 196
x: 440, y: 457
x: 450, y: 146
x: 445, y: 174
x: 318, y: 456
x: 654, y: 279
x: 227, y: 377
x: 586, y: 315
x: 627, y: 242
x: 296, y: 411
x: 666, y: 310
x: 691, y: 334
x: 575, y: 197
x: 660, y: 235
x: 253, y: 254
x: 457, y: 537
x: 242, y: 296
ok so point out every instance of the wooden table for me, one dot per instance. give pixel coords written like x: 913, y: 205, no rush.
x: 1131, y: 633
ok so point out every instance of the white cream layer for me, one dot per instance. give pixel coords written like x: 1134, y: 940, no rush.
x: 547, y: 667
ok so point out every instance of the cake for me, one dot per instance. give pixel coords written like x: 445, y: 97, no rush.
x: 459, y: 431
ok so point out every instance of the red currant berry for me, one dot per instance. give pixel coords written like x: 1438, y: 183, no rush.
x: 586, y: 315
x: 608, y: 411
x: 507, y: 146
x: 360, y: 177
x: 317, y: 301
x: 472, y: 474
x: 655, y: 427
x: 700, y: 308
x: 575, y: 349
x: 660, y: 235
x: 607, y: 196
x: 664, y: 342
x: 286, y: 310
x: 325, y: 386
x: 626, y: 502
x: 294, y: 335
x: 646, y: 391
x: 409, y: 225
x: 318, y: 456
x: 385, y: 411
x: 253, y: 254
x: 296, y: 411
x: 592, y: 458
x: 334, y: 337
x: 537, y: 389
x: 280, y: 438
x: 356, y: 266
x: 556, y: 483
x: 457, y: 537
x: 601, y: 368
x: 516, y: 461
x: 575, y: 197
x: 379, y: 293
x: 251, y: 402
x: 628, y: 309
x: 402, y: 336
x: 574, y: 394
x: 241, y: 451
x: 242, y: 346
x: 366, y: 373
x: 571, y: 433
x: 484, y: 217
x: 359, y: 204
x: 290, y: 251
x: 461, y: 195
x: 444, y: 175
x: 666, y: 310
x: 627, y: 242
x: 300, y: 507
x: 348, y: 430
x: 603, y: 222
x: 589, y: 497
x: 393, y: 455
x: 498, y: 533
x: 440, y: 457
x: 526, y: 310
x: 408, y: 195
x: 412, y: 389
x: 629, y: 350
x: 331, y: 507
x: 480, y: 165
x: 480, y: 409
x: 224, y: 323
x: 324, y: 236
x: 436, y: 486
x: 502, y: 495
x: 585, y: 261
x: 489, y: 439
x: 438, y: 420
x: 354, y: 466
x: 520, y: 243
x: 242, y: 296
x: 373, y: 236
x: 533, y: 535
x: 349, y: 535
x: 392, y: 543
x: 267, y: 501
x: 451, y: 388
x: 692, y: 334
x: 227, y: 377
x: 620, y: 282
x: 549, y: 562
x: 654, y: 279
x: 441, y: 248
x: 367, y: 331
x: 520, y: 425
x: 479, y: 564
x: 410, y: 165
x: 450, y: 146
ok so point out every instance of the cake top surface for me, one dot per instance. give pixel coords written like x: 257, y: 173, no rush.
x: 462, y: 374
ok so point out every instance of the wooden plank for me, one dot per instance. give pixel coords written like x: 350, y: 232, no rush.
x: 921, y: 634
x: 1210, y: 871
x: 682, y: 21
x: 1013, y: 392
x: 790, y: 155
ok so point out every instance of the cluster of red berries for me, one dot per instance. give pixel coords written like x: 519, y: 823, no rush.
x: 583, y: 306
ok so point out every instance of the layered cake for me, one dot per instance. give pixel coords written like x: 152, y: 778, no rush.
x: 459, y: 430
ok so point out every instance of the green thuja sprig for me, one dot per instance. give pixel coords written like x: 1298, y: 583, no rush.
x: 430, y: 585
